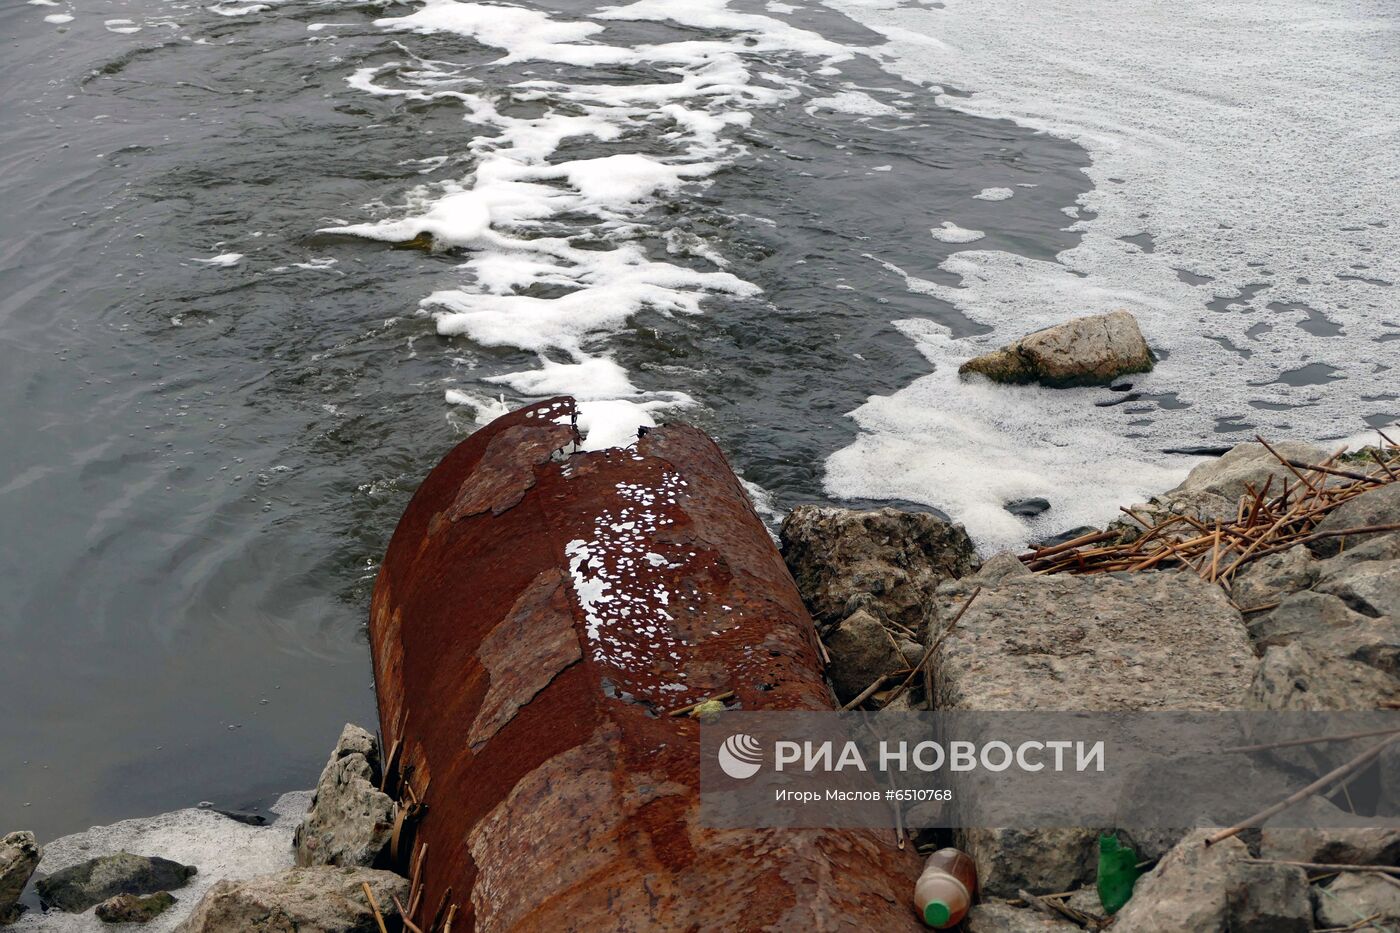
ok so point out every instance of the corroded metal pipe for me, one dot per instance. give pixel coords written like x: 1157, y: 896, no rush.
x: 539, y: 615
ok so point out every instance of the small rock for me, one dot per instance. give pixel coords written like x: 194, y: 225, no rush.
x: 998, y: 567
x: 1245, y: 465
x: 1370, y: 587
x: 1064, y: 536
x: 1379, y: 506
x: 861, y: 651
x: 886, y: 560
x: 79, y: 887
x: 1333, y: 671
x: 1028, y: 508
x: 350, y: 820
x: 130, y: 908
x: 1092, y: 350
x: 1271, y: 578
x: 323, y: 899
x: 19, y: 855
x: 1197, y: 888
x: 1003, y: 918
x: 911, y: 651
x: 1355, y: 896
x: 1300, y: 616
x: 1332, y: 842
x: 1038, y: 860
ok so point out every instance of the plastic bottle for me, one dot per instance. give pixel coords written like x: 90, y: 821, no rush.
x: 945, y: 890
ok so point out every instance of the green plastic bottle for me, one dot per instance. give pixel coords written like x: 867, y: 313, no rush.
x: 944, y: 892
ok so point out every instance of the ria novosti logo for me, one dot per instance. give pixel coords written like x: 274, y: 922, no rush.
x: 740, y: 756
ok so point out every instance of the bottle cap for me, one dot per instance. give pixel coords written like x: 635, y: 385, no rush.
x: 937, y: 914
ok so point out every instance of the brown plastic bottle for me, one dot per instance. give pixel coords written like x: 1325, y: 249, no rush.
x: 945, y: 890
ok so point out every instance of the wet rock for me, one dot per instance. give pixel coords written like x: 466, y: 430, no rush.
x: 1269, y: 579
x: 1300, y: 616
x: 1041, y: 861
x: 19, y: 854
x: 1064, y: 536
x: 1245, y: 465
x: 350, y: 820
x: 1370, y: 587
x: 1003, y: 918
x: 861, y: 651
x: 886, y: 560
x: 324, y: 899
x: 1332, y: 842
x: 1097, y: 642
x: 1093, y: 350
x: 1355, y: 896
x: 131, y: 908
x: 1199, y: 889
x: 1379, y: 506
x: 1028, y: 508
x: 81, y: 886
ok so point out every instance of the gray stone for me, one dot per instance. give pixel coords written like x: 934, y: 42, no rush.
x: 1379, y: 506
x: 1269, y: 579
x: 1355, y: 896
x: 1349, y: 668
x: 1370, y: 587
x: 324, y: 899
x: 1301, y: 615
x: 1003, y: 918
x: 350, y: 820
x: 79, y: 887
x: 861, y: 651
x: 1042, y: 861
x: 886, y: 560
x: 1197, y: 888
x: 1340, y: 838
x: 999, y: 566
x: 132, y: 908
x: 1245, y: 465
x: 19, y: 855
x: 1097, y: 642
x: 910, y: 651
x: 1091, y: 350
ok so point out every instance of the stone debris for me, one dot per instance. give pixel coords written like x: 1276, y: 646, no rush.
x: 350, y: 820
x: 1084, y: 351
x: 19, y: 856
x: 324, y: 899
x: 132, y: 908
x: 1356, y: 896
x: 86, y: 884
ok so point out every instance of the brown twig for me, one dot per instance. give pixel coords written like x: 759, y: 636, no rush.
x: 374, y: 906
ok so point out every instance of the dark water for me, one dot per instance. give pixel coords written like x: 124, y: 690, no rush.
x: 201, y: 465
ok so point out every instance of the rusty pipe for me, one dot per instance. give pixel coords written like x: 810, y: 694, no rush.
x: 539, y: 613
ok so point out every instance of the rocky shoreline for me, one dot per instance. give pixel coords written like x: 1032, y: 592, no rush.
x: 1310, y: 625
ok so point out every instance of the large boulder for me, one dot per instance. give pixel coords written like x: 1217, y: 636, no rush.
x: 1269, y: 579
x: 323, y: 899
x: 886, y: 560
x: 1355, y: 897
x: 1149, y: 641
x: 1301, y: 615
x: 1351, y: 667
x: 1247, y: 465
x: 1092, y: 350
x: 1166, y: 641
x: 350, y: 820
x: 80, y: 886
x: 19, y: 855
x: 1197, y: 888
x: 1339, y: 838
x: 1370, y: 587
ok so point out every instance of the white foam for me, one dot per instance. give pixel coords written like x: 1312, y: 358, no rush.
x: 515, y: 185
x: 58, y: 18
x: 994, y: 194
x: 1253, y: 140
x: 856, y: 102
x: 223, y: 259
x: 218, y: 846
x: 952, y: 233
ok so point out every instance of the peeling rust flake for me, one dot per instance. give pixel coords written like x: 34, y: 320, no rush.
x: 528, y: 651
